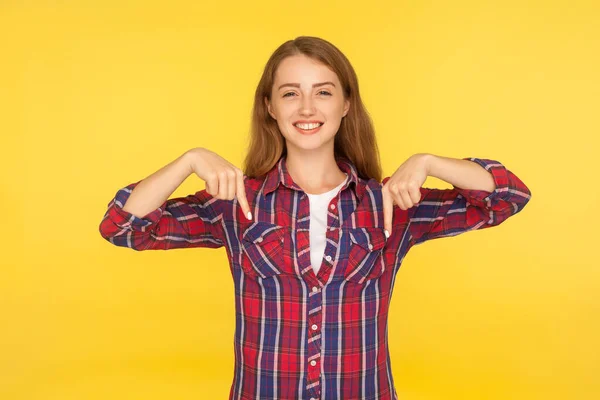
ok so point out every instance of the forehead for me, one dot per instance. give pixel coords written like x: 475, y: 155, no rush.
x: 304, y: 70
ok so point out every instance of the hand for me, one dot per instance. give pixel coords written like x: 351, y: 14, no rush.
x: 404, y: 186
x: 223, y: 180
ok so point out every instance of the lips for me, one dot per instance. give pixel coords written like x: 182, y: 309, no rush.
x: 303, y: 131
x: 307, y: 124
x: 307, y: 121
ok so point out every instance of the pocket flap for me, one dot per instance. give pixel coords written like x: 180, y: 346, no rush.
x: 370, y: 239
x: 262, y: 232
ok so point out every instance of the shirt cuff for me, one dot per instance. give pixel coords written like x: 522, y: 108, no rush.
x: 128, y: 221
x: 501, y: 180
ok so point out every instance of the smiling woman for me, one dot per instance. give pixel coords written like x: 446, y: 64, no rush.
x: 308, y: 108
x: 312, y: 264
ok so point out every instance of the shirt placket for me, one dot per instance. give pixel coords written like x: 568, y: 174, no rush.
x: 314, y: 342
x: 315, y: 302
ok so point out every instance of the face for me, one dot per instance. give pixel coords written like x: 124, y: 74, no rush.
x: 308, y: 103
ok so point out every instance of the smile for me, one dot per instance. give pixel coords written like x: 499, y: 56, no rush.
x: 308, y: 128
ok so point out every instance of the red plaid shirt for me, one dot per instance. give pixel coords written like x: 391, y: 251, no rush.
x: 299, y: 335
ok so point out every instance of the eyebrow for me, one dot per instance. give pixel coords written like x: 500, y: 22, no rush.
x: 315, y: 85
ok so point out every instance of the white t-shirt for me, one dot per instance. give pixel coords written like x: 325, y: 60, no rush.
x: 318, y: 224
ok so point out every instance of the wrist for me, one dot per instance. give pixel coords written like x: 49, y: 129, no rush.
x: 428, y: 161
x: 189, y: 158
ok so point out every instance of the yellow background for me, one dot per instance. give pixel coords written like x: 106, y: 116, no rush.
x: 96, y: 95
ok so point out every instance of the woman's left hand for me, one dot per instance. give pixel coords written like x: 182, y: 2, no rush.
x: 404, y: 186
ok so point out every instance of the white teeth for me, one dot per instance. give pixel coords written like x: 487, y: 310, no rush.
x: 308, y: 126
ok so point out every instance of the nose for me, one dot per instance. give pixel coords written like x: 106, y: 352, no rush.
x: 307, y: 106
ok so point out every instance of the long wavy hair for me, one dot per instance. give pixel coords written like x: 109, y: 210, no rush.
x: 355, y: 139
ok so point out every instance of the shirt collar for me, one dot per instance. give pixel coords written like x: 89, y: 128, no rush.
x: 279, y: 174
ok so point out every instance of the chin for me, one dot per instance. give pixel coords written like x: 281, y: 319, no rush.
x: 307, y: 145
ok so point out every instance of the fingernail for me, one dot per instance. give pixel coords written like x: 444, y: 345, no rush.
x: 387, y: 234
x: 249, y: 216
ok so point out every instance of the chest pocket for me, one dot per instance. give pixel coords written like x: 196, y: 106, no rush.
x: 263, y: 245
x: 365, y: 258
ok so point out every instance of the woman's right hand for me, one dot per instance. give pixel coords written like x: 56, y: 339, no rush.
x: 223, y: 180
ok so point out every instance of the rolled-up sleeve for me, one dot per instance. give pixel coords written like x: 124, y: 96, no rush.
x: 191, y: 221
x: 449, y: 212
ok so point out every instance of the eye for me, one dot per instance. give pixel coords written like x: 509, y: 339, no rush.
x: 325, y: 92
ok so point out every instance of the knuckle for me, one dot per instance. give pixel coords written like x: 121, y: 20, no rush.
x: 212, y: 175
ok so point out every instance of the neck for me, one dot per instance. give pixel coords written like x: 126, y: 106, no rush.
x: 314, y: 173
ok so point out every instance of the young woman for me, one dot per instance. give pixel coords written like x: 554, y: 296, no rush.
x: 314, y: 237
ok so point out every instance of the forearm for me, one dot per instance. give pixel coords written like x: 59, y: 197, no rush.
x: 460, y: 173
x: 154, y: 190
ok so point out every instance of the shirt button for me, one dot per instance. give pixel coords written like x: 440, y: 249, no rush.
x: 314, y: 327
x: 328, y: 258
x: 260, y: 239
x: 313, y: 363
x: 332, y: 206
x: 370, y: 246
x: 315, y: 289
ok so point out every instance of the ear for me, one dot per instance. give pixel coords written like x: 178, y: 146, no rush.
x: 346, y: 107
x: 269, y: 108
